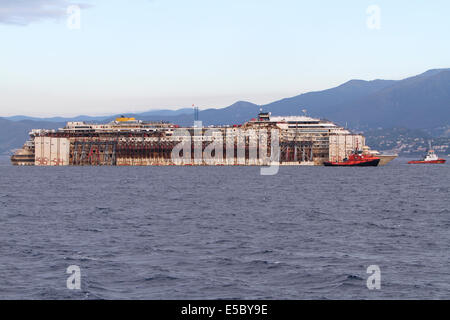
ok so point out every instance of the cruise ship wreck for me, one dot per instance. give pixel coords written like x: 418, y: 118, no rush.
x: 302, y: 140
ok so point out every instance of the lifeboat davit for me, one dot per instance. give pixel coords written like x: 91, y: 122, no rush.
x: 356, y: 159
x: 430, y: 158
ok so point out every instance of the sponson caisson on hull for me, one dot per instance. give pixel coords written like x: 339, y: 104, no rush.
x: 130, y: 142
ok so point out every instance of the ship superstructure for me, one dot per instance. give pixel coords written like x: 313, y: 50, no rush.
x: 127, y: 141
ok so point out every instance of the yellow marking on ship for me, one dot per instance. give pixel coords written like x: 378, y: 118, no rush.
x: 123, y: 119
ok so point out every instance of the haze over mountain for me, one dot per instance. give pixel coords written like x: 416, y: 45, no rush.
x: 419, y: 102
x: 13, y: 134
x: 161, y: 112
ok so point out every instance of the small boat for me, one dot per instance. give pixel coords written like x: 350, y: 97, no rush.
x: 356, y: 159
x: 384, y: 158
x: 430, y: 158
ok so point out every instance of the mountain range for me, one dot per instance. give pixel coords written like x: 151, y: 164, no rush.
x: 419, y: 102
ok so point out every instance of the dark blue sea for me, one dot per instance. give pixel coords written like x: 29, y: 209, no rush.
x: 225, y: 232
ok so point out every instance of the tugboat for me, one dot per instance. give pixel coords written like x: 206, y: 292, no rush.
x: 430, y: 158
x: 356, y: 159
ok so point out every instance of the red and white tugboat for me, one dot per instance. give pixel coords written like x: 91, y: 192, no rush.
x: 430, y: 158
x: 356, y: 159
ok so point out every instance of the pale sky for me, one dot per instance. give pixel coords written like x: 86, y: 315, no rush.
x: 131, y: 56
